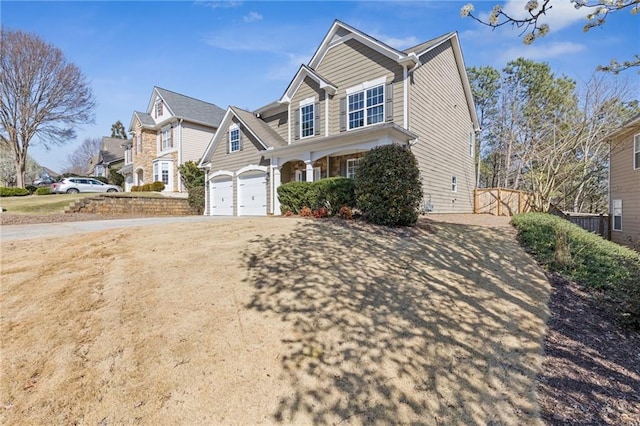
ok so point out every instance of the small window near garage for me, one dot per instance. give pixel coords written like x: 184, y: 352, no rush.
x: 352, y: 167
x: 617, y: 215
x: 636, y: 152
x: 454, y: 184
x: 234, y: 140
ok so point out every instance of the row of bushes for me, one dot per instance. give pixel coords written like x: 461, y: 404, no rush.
x: 586, y: 258
x: 387, y: 190
x: 331, y: 193
x: 148, y: 187
x: 13, y: 192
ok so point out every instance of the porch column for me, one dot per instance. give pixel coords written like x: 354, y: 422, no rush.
x: 276, y: 184
x: 309, y: 170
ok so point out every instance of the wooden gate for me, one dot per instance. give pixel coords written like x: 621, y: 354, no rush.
x: 501, y: 202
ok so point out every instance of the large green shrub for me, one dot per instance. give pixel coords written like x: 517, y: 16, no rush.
x: 43, y: 191
x: 196, y: 198
x: 157, y: 186
x: 387, y: 186
x: 13, y: 192
x: 331, y: 193
x: 585, y: 258
x: 116, y: 178
x: 190, y: 174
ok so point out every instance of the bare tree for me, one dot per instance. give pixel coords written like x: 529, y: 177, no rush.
x: 42, y: 96
x: 535, y: 11
x: 78, y: 160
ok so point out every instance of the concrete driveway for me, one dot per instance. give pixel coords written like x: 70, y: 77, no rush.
x: 63, y: 229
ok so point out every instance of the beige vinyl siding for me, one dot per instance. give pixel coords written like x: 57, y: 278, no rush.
x: 278, y: 122
x: 195, y: 139
x: 351, y: 63
x: 234, y: 161
x: 308, y: 89
x: 625, y: 186
x: 439, y: 115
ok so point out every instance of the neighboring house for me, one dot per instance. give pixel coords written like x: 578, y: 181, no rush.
x: 110, y: 156
x: 356, y: 93
x: 127, y: 169
x: 173, y: 129
x: 624, y: 184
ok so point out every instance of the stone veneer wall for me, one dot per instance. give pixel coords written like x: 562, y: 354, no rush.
x: 145, y: 158
x: 114, y: 206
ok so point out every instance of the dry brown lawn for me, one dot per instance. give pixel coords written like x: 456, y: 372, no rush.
x: 272, y: 321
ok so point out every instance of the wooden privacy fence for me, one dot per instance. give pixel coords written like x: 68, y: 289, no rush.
x: 597, y: 223
x: 501, y: 202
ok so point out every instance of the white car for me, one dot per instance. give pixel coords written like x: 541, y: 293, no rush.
x: 73, y: 185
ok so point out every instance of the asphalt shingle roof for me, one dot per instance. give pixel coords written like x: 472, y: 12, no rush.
x: 191, y: 108
x: 427, y: 44
x: 266, y: 134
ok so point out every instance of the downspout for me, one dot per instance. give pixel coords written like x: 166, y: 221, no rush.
x: 179, y: 157
x: 206, y: 193
x: 289, y: 123
x: 326, y: 112
x: 405, y: 89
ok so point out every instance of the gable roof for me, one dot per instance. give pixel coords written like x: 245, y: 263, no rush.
x: 144, y: 119
x: 111, y: 150
x: 303, y: 72
x: 265, y: 135
x: 339, y: 32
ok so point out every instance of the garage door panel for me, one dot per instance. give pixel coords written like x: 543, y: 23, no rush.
x: 252, y: 194
x: 222, y: 197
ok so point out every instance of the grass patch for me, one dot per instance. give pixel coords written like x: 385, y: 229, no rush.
x: 586, y: 258
x: 58, y: 202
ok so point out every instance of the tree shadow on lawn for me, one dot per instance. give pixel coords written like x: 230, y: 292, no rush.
x: 436, y: 324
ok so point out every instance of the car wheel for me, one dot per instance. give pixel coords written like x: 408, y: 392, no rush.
x: 72, y: 191
x: 112, y: 190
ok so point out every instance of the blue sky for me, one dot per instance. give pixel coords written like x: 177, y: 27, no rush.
x: 245, y: 53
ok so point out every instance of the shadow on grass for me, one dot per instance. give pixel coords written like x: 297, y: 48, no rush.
x: 436, y: 324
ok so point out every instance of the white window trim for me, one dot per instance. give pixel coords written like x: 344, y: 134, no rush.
x: 364, y: 110
x: 313, y: 118
x: 168, y: 130
x: 614, y: 215
x: 454, y: 184
x: 349, y: 161
x: 636, y: 150
x: 299, y: 177
x: 307, y: 101
x: 232, y: 129
x: 366, y: 85
x: 157, y: 173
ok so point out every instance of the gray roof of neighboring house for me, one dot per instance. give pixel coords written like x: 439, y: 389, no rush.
x: 261, y: 129
x: 111, y: 150
x: 192, y: 109
x: 417, y: 49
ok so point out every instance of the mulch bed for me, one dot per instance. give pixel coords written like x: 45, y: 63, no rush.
x: 591, y: 369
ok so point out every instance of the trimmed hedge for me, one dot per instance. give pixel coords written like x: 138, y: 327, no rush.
x: 13, y: 192
x: 331, y: 193
x: 387, y: 186
x: 149, y: 187
x: 586, y: 258
x: 43, y: 191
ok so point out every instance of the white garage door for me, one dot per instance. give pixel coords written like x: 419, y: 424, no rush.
x: 252, y: 194
x: 222, y: 196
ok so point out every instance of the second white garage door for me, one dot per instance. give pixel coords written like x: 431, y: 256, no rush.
x: 252, y: 194
x: 222, y: 196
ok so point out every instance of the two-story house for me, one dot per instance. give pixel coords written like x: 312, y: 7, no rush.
x: 110, y: 156
x: 624, y: 184
x: 173, y: 129
x: 355, y: 93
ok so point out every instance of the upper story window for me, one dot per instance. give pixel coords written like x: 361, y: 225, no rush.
x: 307, y: 120
x: 636, y: 152
x: 166, y: 138
x: 138, y: 143
x: 159, y: 108
x: 234, y: 139
x: 127, y: 156
x: 366, y: 107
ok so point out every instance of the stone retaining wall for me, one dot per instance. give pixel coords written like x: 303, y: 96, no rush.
x: 111, y: 206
